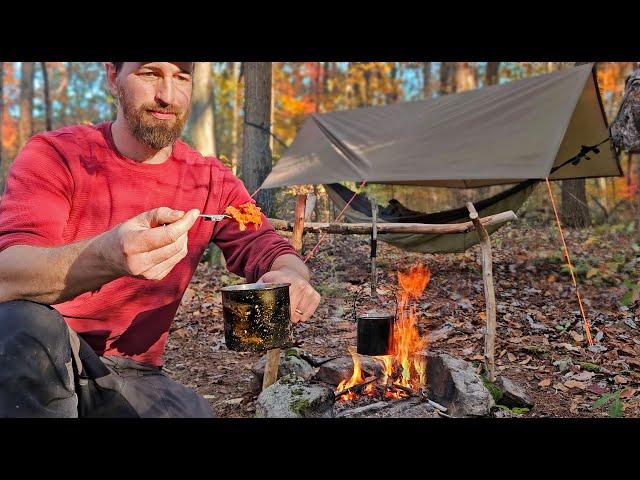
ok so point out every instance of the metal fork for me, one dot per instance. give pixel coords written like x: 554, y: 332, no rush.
x: 214, y: 218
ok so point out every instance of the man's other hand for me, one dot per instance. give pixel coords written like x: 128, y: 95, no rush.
x: 303, y: 297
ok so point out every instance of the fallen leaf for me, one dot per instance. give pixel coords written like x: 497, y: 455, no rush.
x: 584, y: 376
x: 559, y: 386
x: 619, y: 379
x: 478, y: 357
x: 182, y: 332
x: 234, y: 401
x: 511, y: 357
x: 526, y: 360
x: 569, y: 347
x: 545, y: 383
x: 502, y: 353
x: 598, y: 388
x: 573, y: 408
x: 628, y: 392
x: 576, y: 336
x: 575, y: 384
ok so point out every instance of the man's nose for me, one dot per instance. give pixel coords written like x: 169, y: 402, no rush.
x: 164, y: 91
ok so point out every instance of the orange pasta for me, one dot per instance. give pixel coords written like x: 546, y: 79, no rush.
x: 245, y: 214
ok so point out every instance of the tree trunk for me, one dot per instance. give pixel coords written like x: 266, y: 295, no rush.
x: 25, y: 125
x: 234, y: 126
x: 201, y: 120
x: 464, y: 79
x: 47, y: 100
x: 426, y: 80
x: 447, y: 79
x: 256, y: 154
x: 575, y: 210
x: 492, y: 76
x: 272, y: 110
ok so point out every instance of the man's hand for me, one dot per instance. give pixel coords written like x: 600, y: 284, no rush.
x: 303, y: 297
x: 150, y: 244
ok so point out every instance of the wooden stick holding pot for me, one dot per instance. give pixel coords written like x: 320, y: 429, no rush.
x: 273, y: 355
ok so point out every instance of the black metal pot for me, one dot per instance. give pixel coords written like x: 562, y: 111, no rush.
x: 257, y: 316
x: 375, y: 333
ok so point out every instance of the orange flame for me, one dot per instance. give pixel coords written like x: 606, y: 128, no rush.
x: 407, y: 344
x: 356, y: 378
x: 406, y: 336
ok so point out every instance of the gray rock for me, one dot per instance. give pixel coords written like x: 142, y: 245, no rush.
x: 513, y: 395
x: 365, y: 411
x: 291, y: 362
x: 563, y: 365
x: 408, y: 408
x: 454, y: 384
x: 597, y: 348
x: 338, y: 369
x: 504, y: 414
x: 290, y: 397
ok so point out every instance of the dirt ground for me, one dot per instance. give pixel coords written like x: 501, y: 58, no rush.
x: 541, y: 343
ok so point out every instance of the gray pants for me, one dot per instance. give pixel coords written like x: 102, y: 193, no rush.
x: 47, y: 370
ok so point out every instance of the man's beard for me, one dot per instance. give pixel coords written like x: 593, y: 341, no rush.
x: 153, y: 132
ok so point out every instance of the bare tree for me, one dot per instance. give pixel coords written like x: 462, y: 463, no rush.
x: 236, y: 109
x: 201, y: 120
x: 256, y: 154
x: 25, y: 125
x: 47, y: 101
x: 492, y: 75
x: 447, y: 78
x: 426, y: 80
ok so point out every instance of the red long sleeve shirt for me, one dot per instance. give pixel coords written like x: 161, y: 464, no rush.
x: 72, y: 184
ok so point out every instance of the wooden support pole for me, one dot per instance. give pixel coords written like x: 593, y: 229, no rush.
x: 367, y: 228
x: 273, y: 355
x: 374, y: 249
x: 489, y: 293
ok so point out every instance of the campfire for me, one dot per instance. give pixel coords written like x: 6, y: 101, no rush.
x: 403, y: 371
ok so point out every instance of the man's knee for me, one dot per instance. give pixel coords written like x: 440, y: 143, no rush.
x: 21, y: 318
x: 36, y: 369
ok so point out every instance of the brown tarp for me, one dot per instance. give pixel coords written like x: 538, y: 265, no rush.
x: 501, y: 134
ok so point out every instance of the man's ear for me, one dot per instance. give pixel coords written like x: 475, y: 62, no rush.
x: 110, y: 70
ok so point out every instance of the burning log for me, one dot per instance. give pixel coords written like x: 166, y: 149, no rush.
x: 489, y: 294
x: 356, y: 388
x: 367, y: 228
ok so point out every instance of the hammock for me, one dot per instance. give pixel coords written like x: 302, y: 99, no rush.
x: 359, y: 210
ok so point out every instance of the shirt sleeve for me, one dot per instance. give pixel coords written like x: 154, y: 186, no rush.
x: 249, y: 253
x: 37, y: 199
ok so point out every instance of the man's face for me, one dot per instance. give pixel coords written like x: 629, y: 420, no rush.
x: 155, y: 99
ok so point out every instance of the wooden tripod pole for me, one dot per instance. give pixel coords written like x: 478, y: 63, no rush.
x: 489, y: 293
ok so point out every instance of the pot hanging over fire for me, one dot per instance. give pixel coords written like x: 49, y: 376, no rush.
x: 375, y: 333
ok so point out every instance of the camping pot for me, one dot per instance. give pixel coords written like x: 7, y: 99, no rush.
x: 256, y: 316
x: 375, y: 333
